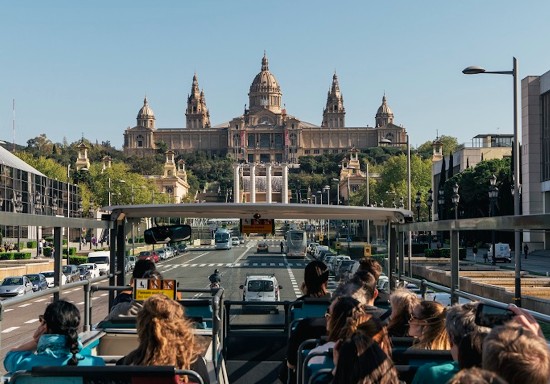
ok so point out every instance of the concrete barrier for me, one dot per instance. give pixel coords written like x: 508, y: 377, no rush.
x: 24, y: 267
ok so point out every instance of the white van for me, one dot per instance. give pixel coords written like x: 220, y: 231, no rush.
x: 502, y: 252
x: 258, y: 288
x: 101, y: 258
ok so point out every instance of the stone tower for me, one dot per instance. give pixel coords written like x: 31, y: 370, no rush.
x: 334, y: 114
x: 196, y: 115
x: 384, y: 115
x: 146, y: 116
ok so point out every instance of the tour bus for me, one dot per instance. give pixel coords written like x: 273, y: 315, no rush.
x: 222, y: 239
x: 296, y: 243
x: 238, y: 347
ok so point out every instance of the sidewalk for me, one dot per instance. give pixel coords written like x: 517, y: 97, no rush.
x: 537, y: 262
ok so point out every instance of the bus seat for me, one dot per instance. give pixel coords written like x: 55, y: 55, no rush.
x: 420, y: 356
x: 308, y: 308
x: 406, y: 372
x: 104, y: 375
x: 321, y: 376
x: 128, y: 322
x: 114, y: 344
x: 402, y: 342
x: 309, y: 370
x: 303, y: 351
x: 199, y: 311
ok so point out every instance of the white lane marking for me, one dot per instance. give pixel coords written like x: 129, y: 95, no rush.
x: 31, y: 321
x: 81, y: 303
x: 9, y: 309
x: 95, y: 298
x: 7, y: 330
x: 194, y: 258
x: 264, y: 264
x: 103, y: 294
x: 24, y: 305
x: 39, y: 300
x: 293, y: 281
x: 203, y: 265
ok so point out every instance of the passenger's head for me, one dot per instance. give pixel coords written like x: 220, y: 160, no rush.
x: 518, y: 355
x: 361, y: 360
x: 315, y: 279
x: 63, y: 318
x: 375, y: 329
x: 476, y: 376
x: 402, y: 302
x: 344, y: 314
x: 152, y: 274
x: 165, y: 335
x: 141, y: 267
x: 427, y: 324
x: 370, y: 265
x: 465, y: 336
x: 216, y: 271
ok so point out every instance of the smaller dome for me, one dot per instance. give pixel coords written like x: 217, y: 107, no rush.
x: 146, y: 112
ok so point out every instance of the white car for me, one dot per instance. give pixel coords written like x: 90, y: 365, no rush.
x: 235, y: 240
x: 93, y: 268
x: 49, y: 278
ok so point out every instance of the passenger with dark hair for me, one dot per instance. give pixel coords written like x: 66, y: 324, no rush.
x: 362, y: 287
x: 54, y: 343
x: 315, y: 281
x: 361, y: 360
x: 370, y: 265
x: 140, y: 269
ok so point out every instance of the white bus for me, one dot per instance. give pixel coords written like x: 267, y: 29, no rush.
x: 296, y: 243
x: 222, y: 238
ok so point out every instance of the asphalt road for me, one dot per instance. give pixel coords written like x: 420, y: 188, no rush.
x: 191, y: 270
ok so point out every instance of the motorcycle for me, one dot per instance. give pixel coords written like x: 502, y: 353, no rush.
x: 214, y: 285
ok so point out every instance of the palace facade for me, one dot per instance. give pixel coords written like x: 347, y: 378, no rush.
x: 265, y: 132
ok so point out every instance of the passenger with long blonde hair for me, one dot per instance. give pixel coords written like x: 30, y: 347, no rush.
x: 166, y: 338
x: 402, y: 302
x: 427, y: 325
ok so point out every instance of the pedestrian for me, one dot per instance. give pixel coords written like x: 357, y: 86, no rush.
x: 525, y: 250
x: 282, y: 246
x: 485, y: 257
x: 474, y: 251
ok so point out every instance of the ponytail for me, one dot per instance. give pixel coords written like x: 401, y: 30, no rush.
x: 72, y: 343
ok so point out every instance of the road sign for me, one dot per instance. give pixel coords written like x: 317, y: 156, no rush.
x: 262, y: 226
x: 144, y: 288
x: 337, y: 246
x: 321, y: 237
x: 367, y: 250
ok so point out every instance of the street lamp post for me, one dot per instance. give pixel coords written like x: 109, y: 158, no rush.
x: 441, y: 205
x: 18, y: 206
x: 327, y: 189
x: 473, y: 70
x: 493, y: 195
x: 417, y: 204
x: 429, y: 203
x: 455, y: 199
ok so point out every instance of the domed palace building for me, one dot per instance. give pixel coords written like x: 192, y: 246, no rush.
x: 265, y: 132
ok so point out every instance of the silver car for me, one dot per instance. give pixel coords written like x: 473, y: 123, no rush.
x: 15, y: 286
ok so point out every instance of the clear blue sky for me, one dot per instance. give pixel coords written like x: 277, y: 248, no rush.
x: 77, y: 67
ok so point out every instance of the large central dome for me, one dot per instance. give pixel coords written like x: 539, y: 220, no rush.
x: 265, y: 92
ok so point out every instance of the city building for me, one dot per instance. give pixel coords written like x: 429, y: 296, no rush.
x: 264, y: 132
x: 535, y: 154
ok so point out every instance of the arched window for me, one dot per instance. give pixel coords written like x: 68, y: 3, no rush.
x: 139, y: 140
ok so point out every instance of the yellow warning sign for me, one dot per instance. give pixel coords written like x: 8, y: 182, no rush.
x: 367, y: 250
x: 145, y: 288
x: 337, y: 246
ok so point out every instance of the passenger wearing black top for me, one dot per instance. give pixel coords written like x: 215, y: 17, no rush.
x: 141, y: 268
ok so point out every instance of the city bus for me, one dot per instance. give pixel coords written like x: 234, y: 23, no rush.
x: 239, y: 346
x: 296, y: 243
x: 222, y: 239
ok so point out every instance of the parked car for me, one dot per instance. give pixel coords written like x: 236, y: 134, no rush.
x: 182, y: 248
x: 344, y: 270
x: 49, y: 278
x: 131, y: 262
x: 235, y: 240
x: 169, y: 252
x: 85, y: 273
x: 93, y: 268
x: 162, y: 254
x: 38, y: 281
x: 15, y: 286
x: 149, y: 255
x: 241, y: 239
x: 72, y: 273
x: 262, y: 247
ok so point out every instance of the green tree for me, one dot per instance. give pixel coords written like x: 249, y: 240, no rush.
x: 48, y: 167
x: 450, y: 144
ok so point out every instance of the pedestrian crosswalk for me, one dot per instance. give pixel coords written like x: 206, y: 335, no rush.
x: 233, y: 265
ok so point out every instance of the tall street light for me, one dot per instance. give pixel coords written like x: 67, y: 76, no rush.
x: 337, y: 190
x: 493, y: 195
x: 474, y: 70
x: 417, y: 203
x: 455, y: 199
x: 429, y: 203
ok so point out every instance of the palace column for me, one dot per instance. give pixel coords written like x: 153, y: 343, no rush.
x: 284, y: 189
x: 268, y: 190
x: 236, y: 183
x: 253, y: 182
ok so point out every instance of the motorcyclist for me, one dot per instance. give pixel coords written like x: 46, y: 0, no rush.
x: 215, y: 278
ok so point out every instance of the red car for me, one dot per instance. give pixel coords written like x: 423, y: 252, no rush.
x: 149, y: 255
